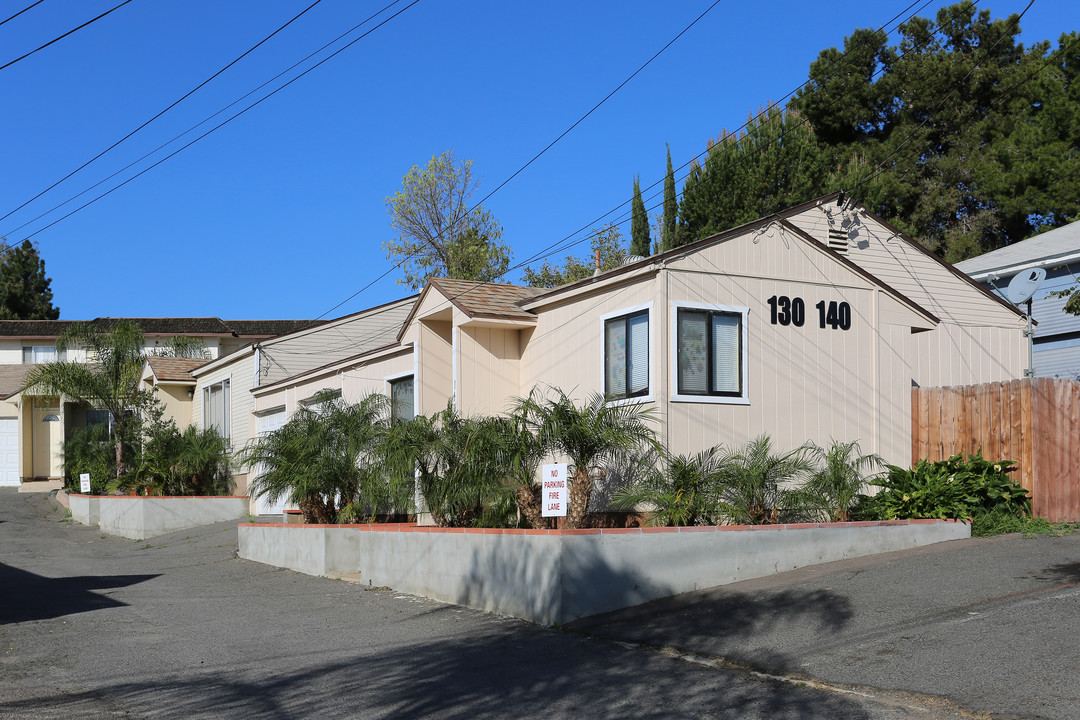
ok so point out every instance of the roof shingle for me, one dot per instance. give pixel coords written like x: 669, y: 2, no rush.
x: 171, y: 369
x: 484, y: 299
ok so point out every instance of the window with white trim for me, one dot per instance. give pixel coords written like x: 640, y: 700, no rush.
x: 216, y: 407
x: 402, y: 404
x: 626, y: 355
x: 39, y: 354
x: 710, y: 353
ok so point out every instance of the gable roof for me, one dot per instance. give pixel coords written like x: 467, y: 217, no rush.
x: 780, y: 218
x: 12, y: 379
x: 158, y: 326
x: 1047, y: 249
x: 170, y: 369
x: 485, y: 299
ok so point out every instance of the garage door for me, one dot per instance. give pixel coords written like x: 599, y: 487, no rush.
x: 264, y: 425
x: 9, y: 451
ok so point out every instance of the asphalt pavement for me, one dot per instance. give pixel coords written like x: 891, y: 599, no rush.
x: 93, y: 626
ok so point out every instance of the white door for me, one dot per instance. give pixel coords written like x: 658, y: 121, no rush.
x: 9, y: 451
x: 264, y: 425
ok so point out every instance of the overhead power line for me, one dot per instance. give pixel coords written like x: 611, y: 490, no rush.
x: 55, y: 40
x: 29, y: 7
x: 221, y: 124
x: 170, y: 107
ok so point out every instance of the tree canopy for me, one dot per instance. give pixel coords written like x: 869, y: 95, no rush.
x: 958, y: 134
x: 439, y: 233
x: 607, y: 242
x: 25, y: 289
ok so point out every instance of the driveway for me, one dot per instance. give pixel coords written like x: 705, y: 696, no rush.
x: 178, y: 627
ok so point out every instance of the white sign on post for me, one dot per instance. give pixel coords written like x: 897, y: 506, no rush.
x: 553, y: 490
x: 84, y: 483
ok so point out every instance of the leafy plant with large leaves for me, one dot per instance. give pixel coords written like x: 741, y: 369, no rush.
x: 588, y: 434
x: 326, y: 459
x: 963, y: 486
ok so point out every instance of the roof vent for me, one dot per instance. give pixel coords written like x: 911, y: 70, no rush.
x: 630, y: 259
x: 838, y: 240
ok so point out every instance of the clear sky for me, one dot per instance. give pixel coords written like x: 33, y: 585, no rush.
x: 281, y: 213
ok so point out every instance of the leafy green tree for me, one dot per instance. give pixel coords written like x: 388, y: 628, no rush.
x: 109, y: 380
x: 671, y: 208
x: 607, y: 242
x: 25, y: 289
x: 439, y: 234
x: 588, y: 434
x: 773, y: 164
x: 640, y: 244
x: 328, y: 460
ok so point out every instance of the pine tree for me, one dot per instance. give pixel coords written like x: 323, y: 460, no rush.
x: 640, y: 244
x: 671, y: 207
x: 25, y: 289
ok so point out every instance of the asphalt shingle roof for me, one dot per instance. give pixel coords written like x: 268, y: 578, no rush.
x: 485, y: 299
x: 160, y: 326
x: 170, y: 369
x: 12, y: 378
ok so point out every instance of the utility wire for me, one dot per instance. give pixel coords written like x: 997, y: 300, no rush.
x: 560, y: 246
x: 2, y: 22
x: 170, y: 107
x: 54, y: 40
x: 227, y: 121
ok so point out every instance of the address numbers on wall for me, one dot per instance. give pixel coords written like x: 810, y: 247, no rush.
x: 784, y: 310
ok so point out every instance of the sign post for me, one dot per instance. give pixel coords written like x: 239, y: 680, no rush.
x: 84, y: 483
x: 553, y: 493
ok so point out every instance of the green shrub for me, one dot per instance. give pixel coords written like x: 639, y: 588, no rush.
x: 89, y: 450
x: 960, y: 487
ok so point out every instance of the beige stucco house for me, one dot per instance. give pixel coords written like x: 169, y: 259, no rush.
x: 812, y: 324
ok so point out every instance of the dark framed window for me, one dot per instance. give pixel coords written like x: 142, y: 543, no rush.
x: 402, y: 404
x: 710, y: 352
x: 626, y: 355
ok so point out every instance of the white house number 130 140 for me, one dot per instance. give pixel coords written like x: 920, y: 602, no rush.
x: 784, y: 310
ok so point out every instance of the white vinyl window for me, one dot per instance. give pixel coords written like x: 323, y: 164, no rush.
x: 402, y: 403
x: 38, y: 354
x: 709, y: 355
x: 627, y: 354
x: 216, y: 407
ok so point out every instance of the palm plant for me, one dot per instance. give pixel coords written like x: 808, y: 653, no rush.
x: 682, y: 490
x: 109, y: 380
x: 325, y: 458
x: 759, y: 486
x: 521, y: 454
x: 587, y: 434
x: 456, y: 461
x: 841, y: 473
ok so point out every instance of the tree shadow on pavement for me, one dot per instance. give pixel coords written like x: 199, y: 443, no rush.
x: 742, y: 626
x: 28, y: 596
x: 510, y: 671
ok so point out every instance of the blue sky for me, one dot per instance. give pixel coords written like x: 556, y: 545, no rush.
x: 281, y: 214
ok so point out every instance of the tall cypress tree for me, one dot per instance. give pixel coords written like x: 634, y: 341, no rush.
x: 640, y: 244
x: 671, y: 207
x: 25, y: 289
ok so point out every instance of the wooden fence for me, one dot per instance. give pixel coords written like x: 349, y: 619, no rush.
x: 1033, y: 422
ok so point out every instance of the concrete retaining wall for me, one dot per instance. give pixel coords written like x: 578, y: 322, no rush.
x: 556, y: 576
x: 139, y: 518
x: 84, y: 508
